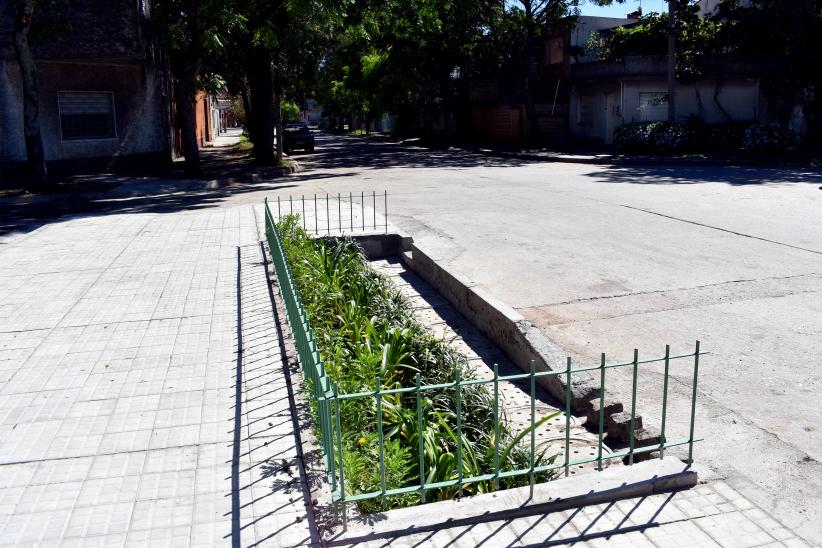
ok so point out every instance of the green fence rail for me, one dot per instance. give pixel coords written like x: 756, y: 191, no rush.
x: 337, y: 214
x: 326, y: 399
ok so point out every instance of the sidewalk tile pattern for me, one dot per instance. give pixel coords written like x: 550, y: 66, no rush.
x: 127, y: 414
x: 711, y: 514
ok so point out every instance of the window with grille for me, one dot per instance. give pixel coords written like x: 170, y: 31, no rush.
x: 653, y: 106
x: 585, y: 114
x: 86, y: 114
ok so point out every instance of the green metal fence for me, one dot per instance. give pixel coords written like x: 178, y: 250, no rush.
x: 339, y: 213
x: 326, y: 399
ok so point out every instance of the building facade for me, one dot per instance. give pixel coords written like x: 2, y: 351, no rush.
x: 602, y: 95
x: 103, y: 93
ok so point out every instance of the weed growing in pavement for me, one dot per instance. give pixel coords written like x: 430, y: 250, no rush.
x: 365, y: 330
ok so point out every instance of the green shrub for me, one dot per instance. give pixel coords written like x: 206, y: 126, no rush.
x: 365, y: 331
x: 720, y: 137
x: 653, y: 137
x: 769, y: 139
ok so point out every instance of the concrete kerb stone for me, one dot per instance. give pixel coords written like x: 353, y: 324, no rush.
x: 505, y: 327
x: 380, y: 246
x: 643, y: 479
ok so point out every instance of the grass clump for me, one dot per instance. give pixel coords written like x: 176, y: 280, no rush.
x: 365, y: 331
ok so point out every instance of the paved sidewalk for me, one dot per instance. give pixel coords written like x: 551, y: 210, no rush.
x: 127, y: 414
x: 710, y: 515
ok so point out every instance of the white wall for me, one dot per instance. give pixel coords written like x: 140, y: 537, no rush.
x: 739, y: 98
x: 605, y: 117
x: 586, y: 24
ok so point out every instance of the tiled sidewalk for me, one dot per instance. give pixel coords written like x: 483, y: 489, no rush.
x: 709, y: 515
x: 127, y: 414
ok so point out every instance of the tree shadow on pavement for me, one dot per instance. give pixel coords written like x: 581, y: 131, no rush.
x: 674, y: 175
x: 340, y: 152
x: 225, y: 174
x: 607, y: 522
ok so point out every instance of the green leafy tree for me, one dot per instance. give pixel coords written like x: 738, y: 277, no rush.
x: 524, y: 24
x: 290, y: 111
x: 189, y: 30
x: 784, y: 39
x: 412, y: 59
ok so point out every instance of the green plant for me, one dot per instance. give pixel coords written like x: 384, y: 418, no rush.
x: 769, y: 139
x: 652, y: 137
x: 366, y: 332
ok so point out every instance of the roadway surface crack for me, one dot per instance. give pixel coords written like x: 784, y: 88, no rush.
x: 722, y: 229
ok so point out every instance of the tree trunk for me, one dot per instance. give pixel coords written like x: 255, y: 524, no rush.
x: 262, y: 99
x: 278, y: 118
x: 37, y: 172
x: 530, y: 110
x: 186, y: 95
x: 248, y: 115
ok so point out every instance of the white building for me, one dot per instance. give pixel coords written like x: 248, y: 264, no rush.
x: 607, y: 94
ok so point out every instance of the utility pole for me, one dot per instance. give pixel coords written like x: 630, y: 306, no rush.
x: 671, y: 61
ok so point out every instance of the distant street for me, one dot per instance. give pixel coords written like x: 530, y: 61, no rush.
x: 606, y: 259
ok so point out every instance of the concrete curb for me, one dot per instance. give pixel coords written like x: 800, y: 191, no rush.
x: 262, y: 174
x: 518, y: 339
x: 611, y: 159
x: 641, y: 480
x: 504, y: 326
x: 174, y: 185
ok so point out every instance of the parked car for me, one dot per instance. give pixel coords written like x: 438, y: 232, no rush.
x: 297, y: 136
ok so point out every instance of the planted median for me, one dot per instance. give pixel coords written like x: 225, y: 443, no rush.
x: 370, y: 343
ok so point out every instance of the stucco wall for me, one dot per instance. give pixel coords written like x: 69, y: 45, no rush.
x: 739, y: 98
x: 138, y: 110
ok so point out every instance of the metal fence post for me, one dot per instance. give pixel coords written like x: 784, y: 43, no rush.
x: 601, y: 409
x: 532, y: 457
x: 459, y: 428
x: 568, y: 394
x: 381, y: 435
x: 693, y: 406
x: 496, y: 427
x: 664, y: 402
x: 420, y: 439
x: 632, y: 440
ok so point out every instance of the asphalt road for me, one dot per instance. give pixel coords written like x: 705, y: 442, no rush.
x: 608, y: 259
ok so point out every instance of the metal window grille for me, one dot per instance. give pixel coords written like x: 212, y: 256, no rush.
x: 654, y: 106
x: 86, y: 115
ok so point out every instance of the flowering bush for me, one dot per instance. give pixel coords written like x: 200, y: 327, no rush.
x: 632, y: 137
x: 721, y: 136
x: 653, y: 137
x: 768, y: 138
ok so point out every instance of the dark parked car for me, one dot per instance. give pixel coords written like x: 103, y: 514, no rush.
x: 297, y: 136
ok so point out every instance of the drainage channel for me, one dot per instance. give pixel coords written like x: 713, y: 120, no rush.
x: 433, y: 311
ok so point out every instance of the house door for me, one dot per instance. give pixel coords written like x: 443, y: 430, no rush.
x: 611, y: 121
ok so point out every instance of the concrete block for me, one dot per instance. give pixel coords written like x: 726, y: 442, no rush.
x: 618, y: 426
x: 611, y: 407
x: 646, y: 437
x: 379, y: 246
